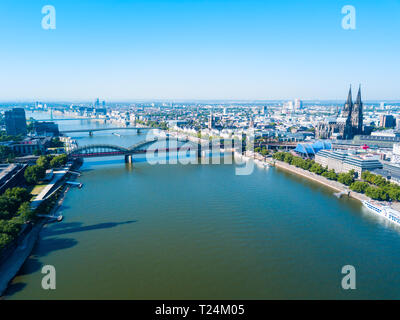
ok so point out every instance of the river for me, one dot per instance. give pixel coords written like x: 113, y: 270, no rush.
x: 202, y: 232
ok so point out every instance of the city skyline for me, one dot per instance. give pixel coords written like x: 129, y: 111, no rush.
x: 198, y: 50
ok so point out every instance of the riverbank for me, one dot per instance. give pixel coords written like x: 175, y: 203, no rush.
x: 337, y: 186
x: 13, y: 258
x: 18, y: 254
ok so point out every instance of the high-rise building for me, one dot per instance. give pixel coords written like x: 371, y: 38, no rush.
x: 264, y: 110
x: 251, y: 123
x: 387, y: 121
x: 211, y: 121
x: 298, y: 104
x: 43, y: 128
x: 15, y: 121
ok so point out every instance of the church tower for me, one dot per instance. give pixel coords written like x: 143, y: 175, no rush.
x: 357, y: 115
x: 348, y: 106
x: 347, y: 130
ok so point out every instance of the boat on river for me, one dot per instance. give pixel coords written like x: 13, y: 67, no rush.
x: 383, y: 211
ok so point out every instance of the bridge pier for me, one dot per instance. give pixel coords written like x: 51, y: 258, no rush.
x: 198, y: 151
x: 128, y: 158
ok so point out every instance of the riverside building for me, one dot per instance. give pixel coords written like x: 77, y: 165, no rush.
x: 344, y: 162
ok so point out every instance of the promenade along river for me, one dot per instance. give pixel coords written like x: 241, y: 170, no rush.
x: 200, y: 231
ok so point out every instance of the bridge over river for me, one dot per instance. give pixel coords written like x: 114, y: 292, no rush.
x: 91, y: 130
x: 170, y: 145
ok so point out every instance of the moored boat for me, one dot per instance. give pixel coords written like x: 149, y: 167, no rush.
x: 383, y: 211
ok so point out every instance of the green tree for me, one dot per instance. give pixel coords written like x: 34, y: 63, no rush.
x: 44, y: 161
x: 359, y: 186
x: 346, y: 178
x: 298, y: 162
x: 5, y: 239
x: 34, y: 173
x: 365, y: 175
x: 279, y: 156
x: 379, y: 180
x: 317, y: 168
x: 287, y: 157
x: 58, y: 161
x: 331, y: 175
x: 25, y: 212
x: 56, y: 143
x: 8, y: 207
x: 10, y: 227
x: 21, y: 194
x: 376, y: 193
x: 6, y: 153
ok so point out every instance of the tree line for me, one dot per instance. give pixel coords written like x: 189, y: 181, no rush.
x: 262, y: 150
x: 14, y: 212
x: 15, y: 207
x: 372, y: 185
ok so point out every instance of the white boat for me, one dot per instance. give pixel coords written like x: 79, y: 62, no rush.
x: 261, y: 164
x: 383, y: 210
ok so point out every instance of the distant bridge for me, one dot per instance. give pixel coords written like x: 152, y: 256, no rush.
x: 91, y: 130
x: 65, y: 119
x: 107, y: 150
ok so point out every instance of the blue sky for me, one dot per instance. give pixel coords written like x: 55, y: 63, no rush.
x: 236, y: 49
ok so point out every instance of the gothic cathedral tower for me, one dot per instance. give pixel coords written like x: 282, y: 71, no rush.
x: 357, y: 114
x: 347, y: 131
x: 348, y: 106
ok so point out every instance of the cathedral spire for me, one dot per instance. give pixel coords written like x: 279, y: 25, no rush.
x: 349, y: 98
x: 348, y: 106
x: 358, y: 100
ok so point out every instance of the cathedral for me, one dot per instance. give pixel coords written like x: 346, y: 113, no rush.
x: 347, y: 125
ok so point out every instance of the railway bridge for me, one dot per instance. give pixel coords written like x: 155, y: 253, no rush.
x: 169, y: 145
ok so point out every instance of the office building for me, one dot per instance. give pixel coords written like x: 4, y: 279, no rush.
x: 387, y: 121
x: 15, y: 122
x: 344, y: 162
x: 44, y: 128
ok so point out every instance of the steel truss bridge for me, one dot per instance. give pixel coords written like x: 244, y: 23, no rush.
x: 107, y: 150
x: 91, y: 130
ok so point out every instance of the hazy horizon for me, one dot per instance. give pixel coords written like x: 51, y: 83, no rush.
x: 198, y: 50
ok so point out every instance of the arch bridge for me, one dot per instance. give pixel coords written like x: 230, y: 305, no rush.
x: 107, y: 150
x: 91, y: 130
